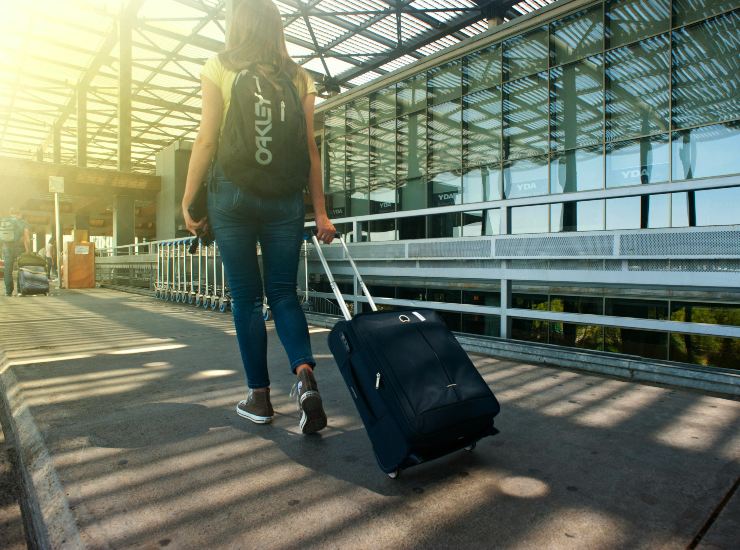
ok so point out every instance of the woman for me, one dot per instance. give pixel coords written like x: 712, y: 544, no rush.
x: 239, y: 218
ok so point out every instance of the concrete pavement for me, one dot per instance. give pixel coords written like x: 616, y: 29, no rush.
x: 124, y: 409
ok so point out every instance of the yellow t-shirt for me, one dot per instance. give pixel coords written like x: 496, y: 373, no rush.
x: 222, y: 77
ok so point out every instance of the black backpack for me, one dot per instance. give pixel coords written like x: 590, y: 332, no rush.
x: 264, y: 146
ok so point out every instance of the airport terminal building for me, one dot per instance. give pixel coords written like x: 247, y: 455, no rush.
x: 570, y: 178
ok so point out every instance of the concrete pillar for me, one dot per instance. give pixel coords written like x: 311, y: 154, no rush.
x: 172, y: 167
x: 82, y: 126
x: 124, y: 227
x: 124, y: 93
x: 505, y: 305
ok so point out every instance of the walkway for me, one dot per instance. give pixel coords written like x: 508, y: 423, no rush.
x: 133, y: 400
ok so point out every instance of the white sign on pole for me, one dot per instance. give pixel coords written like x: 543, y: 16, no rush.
x: 56, y: 184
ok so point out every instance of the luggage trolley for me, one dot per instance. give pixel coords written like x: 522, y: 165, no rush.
x: 159, y: 274
x: 216, y: 297
x: 191, y: 271
x: 182, y: 259
x: 207, y: 296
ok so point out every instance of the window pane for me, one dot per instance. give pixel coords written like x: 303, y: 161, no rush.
x: 483, y: 69
x: 705, y: 72
x: 358, y: 114
x: 358, y: 157
x: 659, y: 211
x: 576, y: 36
x: 528, y: 330
x: 481, y: 298
x: 383, y: 198
x: 712, y: 351
x: 638, y: 212
x: 713, y: 314
x: 482, y: 184
x: 334, y: 159
x: 577, y: 170
x: 486, y: 325
x: 704, y: 152
x: 576, y: 104
x: 643, y: 343
x: 623, y: 213
x: 445, y: 189
x: 529, y: 219
x: 638, y: 309
x: 412, y: 147
x: 445, y: 137
x: 412, y: 228
x: 525, y: 178
x: 360, y: 201
x: 472, y: 224
x: 718, y: 206
x: 529, y: 301
x: 525, y: 117
x: 412, y: 94
x: 636, y: 162
x: 335, y: 121
x: 525, y: 54
x: 577, y: 216
x: 687, y: 11
x: 412, y: 194
x: 337, y: 205
x: 591, y: 305
x: 383, y: 104
x: 577, y: 336
x: 630, y: 20
x: 383, y: 153
x: 445, y: 82
x: 482, y: 127
x: 383, y: 230
x: 637, y: 89
x: 680, y: 210
x: 493, y: 222
x: 444, y: 225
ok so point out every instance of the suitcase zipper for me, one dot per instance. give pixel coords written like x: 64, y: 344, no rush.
x: 282, y: 111
x: 377, y: 380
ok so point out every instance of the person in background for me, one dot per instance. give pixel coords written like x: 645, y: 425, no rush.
x: 16, y: 238
x: 241, y: 216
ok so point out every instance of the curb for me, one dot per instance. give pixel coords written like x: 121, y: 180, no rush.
x: 47, y: 516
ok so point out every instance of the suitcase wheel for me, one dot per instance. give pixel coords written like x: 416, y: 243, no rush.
x: 470, y: 447
x: 394, y: 474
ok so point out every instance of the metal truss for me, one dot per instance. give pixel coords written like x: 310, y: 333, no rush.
x: 67, y: 51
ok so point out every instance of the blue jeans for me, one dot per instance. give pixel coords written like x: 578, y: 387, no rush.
x: 10, y: 253
x: 239, y: 219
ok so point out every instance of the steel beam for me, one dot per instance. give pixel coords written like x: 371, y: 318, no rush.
x: 81, y: 126
x: 124, y: 92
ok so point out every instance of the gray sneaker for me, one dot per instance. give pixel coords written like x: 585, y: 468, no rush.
x: 256, y: 407
x: 306, y: 394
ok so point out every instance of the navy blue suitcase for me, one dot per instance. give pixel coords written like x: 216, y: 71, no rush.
x: 417, y: 391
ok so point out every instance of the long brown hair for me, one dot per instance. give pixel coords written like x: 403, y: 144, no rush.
x: 256, y: 38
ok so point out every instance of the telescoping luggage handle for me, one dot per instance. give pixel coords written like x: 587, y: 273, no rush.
x: 332, y: 282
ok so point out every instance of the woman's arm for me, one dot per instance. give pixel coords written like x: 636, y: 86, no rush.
x: 324, y: 228
x: 204, y: 147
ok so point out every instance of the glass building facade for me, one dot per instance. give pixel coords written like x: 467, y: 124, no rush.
x: 616, y: 95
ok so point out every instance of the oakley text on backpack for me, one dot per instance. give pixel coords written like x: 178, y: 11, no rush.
x: 264, y: 146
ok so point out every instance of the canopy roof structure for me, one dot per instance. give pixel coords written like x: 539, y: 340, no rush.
x: 62, y: 61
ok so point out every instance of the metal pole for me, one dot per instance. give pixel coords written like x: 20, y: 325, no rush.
x: 58, y: 225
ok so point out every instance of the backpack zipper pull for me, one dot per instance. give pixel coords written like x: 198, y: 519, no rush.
x: 282, y: 111
x: 377, y: 381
